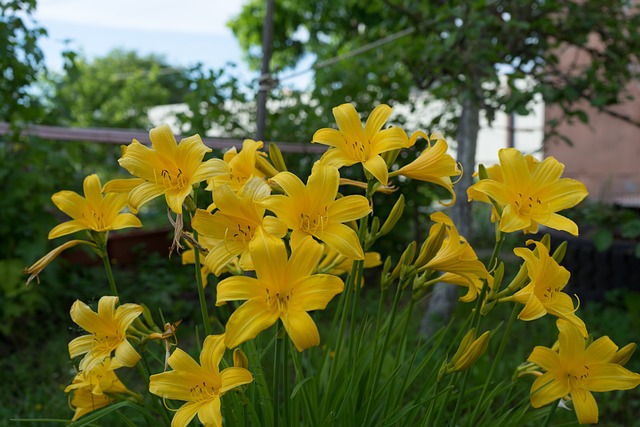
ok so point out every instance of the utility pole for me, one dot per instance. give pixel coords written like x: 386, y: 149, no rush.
x: 266, y: 80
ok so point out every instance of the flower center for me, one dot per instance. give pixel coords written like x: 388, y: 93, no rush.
x: 104, y: 344
x: 528, y: 205
x: 243, y: 233
x: 202, y: 392
x: 94, y: 219
x: 578, y: 377
x: 172, y: 181
x: 359, y: 150
x: 549, y: 294
x: 278, y: 301
x: 315, y: 222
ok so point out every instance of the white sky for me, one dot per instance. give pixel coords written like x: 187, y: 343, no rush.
x: 185, y: 31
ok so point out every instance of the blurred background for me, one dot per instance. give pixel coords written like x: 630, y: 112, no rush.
x: 551, y: 78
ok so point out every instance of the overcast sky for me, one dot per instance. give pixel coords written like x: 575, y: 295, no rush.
x: 185, y: 31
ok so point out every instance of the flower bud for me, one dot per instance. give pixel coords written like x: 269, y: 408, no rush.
x: 560, y: 252
x: 623, y: 355
x: 240, y: 359
x: 469, y: 351
x: 276, y: 157
x: 405, y: 259
x: 394, y: 217
x: 263, y: 165
x: 431, y: 246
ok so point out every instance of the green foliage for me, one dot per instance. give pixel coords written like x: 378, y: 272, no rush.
x: 456, y: 48
x: 606, y: 223
x: 114, y: 91
x: 21, y: 61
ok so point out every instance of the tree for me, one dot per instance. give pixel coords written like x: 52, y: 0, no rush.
x: 21, y: 61
x: 115, y: 90
x: 460, y: 52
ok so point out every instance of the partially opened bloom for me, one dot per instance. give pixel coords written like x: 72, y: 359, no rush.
x: 433, y: 165
x: 457, y: 259
x: 284, y: 288
x: 96, y: 388
x: 234, y: 225
x: 578, y: 370
x: 544, y: 293
x: 352, y: 143
x: 313, y: 210
x: 107, y: 333
x: 238, y: 167
x: 531, y: 194
x: 93, y: 211
x: 199, y: 385
x: 168, y: 168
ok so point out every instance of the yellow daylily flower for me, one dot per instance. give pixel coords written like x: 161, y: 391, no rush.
x: 107, y: 332
x: 168, y: 168
x: 93, y: 211
x: 544, y: 292
x: 578, y: 370
x: 199, y: 385
x: 433, y: 165
x: 353, y: 144
x: 530, y: 196
x: 94, y: 389
x: 239, y: 167
x: 235, y: 224
x: 457, y: 259
x: 313, y: 210
x: 284, y: 288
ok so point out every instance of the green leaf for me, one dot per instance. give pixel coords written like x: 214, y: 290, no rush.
x: 603, y: 239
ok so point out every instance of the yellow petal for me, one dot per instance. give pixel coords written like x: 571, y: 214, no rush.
x: 514, y: 168
x: 163, y: 141
x: 572, y: 343
x: 107, y: 307
x: 88, y: 319
x: 185, y: 414
x: 315, y: 292
x: 125, y: 220
x: 181, y: 361
x: 141, y: 161
x: 212, y: 351
x: 93, y: 190
x: 172, y: 385
x: 65, y: 228
x: 274, y: 227
x: 122, y: 185
x: 342, y: 239
x: 291, y: 184
x: 304, y: 259
x: 233, y: 377
x: 209, y: 169
x: 70, y: 203
x: 532, y: 310
x: 585, y: 405
x: 600, y: 351
x: 249, y: 320
x: 512, y: 220
x: 126, y: 354
x: 547, y: 389
x: 322, y: 184
x: 330, y: 137
x: 301, y: 329
x: 190, y: 153
x: 239, y: 288
x: 175, y: 198
x: 221, y: 255
x: 559, y: 222
x: 81, y: 345
x: 349, y: 208
x: 269, y: 257
x: 544, y: 357
x: 376, y: 120
x: 144, y: 193
x: 393, y: 138
x: 349, y: 122
x: 610, y: 376
x: 209, y: 413
x: 126, y: 314
x: 378, y: 168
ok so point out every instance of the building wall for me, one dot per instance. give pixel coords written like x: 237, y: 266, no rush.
x: 605, y: 154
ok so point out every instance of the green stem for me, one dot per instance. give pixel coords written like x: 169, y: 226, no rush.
x: 496, y: 360
x: 552, y: 411
x: 201, y: 296
x: 107, y: 267
x: 445, y: 400
x: 143, y: 370
x: 385, y: 344
x: 285, y: 372
x: 276, y: 377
